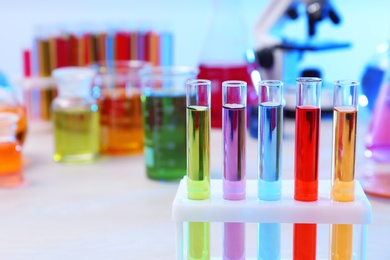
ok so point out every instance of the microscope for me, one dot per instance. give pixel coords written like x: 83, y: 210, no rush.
x: 279, y: 58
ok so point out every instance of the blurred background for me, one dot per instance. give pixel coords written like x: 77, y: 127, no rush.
x: 365, y: 24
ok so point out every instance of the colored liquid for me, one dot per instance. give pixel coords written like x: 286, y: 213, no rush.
x: 344, y: 143
x: 218, y: 74
x: 198, y: 172
x: 198, y: 241
x: 121, y: 127
x: 165, y: 135
x: 76, y: 134
x: 270, y: 134
x: 307, y: 128
x: 343, y: 188
x: 234, y: 133
x: 270, y: 150
x: 38, y: 102
x: 198, y: 149
x: 21, y: 128
x: 234, y: 241
x: 305, y: 241
x: 342, y: 242
x: 254, y: 122
x: 44, y: 57
x: 378, y: 140
x: 269, y: 241
x: 10, y: 164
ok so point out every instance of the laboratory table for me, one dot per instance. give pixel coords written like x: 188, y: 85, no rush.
x: 109, y: 209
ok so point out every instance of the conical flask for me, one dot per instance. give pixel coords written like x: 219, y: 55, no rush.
x: 224, y: 56
x: 376, y: 180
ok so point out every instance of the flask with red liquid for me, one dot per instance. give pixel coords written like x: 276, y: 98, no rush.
x: 224, y: 56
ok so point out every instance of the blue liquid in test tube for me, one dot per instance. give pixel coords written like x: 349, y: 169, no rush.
x: 270, y: 136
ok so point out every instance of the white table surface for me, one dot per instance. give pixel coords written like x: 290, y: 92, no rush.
x: 110, y: 210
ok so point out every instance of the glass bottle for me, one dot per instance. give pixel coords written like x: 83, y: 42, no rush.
x: 75, y: 116
x: 224, y: 56
x: 376, y: 181
x: 11, y: 168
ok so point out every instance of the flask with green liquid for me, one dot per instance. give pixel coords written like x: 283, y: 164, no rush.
x: 75, y: 116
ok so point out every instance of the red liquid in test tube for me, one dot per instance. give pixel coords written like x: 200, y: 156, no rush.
x: 307, y: 128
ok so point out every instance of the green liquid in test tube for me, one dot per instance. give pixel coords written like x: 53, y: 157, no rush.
x: 198, y: 162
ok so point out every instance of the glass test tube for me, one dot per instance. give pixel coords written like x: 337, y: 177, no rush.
x: 234, y: 144
x: 270, y: 134
x: 343, y: 161
x: 307, y: 131
x: 198, y: 93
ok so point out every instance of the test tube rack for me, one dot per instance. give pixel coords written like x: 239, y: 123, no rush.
x: 286, y: 210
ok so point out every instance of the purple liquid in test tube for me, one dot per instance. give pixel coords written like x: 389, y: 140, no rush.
x: 234, y: 136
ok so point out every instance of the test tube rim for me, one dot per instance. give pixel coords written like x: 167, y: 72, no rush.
x: 346, y: 82
x: 167, y: 71
x: 309, y: 80
x: 198, y: 82
x: 234, y: 83
x: 271, y: 82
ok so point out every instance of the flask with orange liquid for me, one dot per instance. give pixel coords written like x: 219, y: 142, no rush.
x: 11, y: 168
x: 9, y: 102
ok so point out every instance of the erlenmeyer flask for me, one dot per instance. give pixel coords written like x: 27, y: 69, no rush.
x: 224, y: 56
x: 376, y: 181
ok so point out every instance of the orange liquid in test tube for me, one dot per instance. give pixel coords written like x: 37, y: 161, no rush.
x: 343, y: 162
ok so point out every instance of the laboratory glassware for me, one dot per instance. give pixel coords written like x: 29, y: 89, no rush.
x: 234, y: 130
x: 226, y: 56
x: 11, y: 165
x: 343, y: 161
x: 11, y: 101
x: 376, y: 176
x: 75, y: 116
x: 163, y: 100
x: 307, y: 133
x: 270, y: 134
x: 117, y: 88
x: 198, y: 161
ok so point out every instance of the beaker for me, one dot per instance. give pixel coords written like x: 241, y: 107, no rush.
x: 118, y: 89
x: 224, y: 56
x: 163, y: 101
x: 12, y: 101
x: 11, y: 167
x: 376, y: 179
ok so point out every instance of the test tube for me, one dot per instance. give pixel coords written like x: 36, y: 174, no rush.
x: 343, y: 161
x: 307, y: 131
x: 270, y: 134
x: 234, y: 171
x: 198, y: 93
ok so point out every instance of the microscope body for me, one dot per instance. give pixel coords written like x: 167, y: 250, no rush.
x: 280, y: 58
